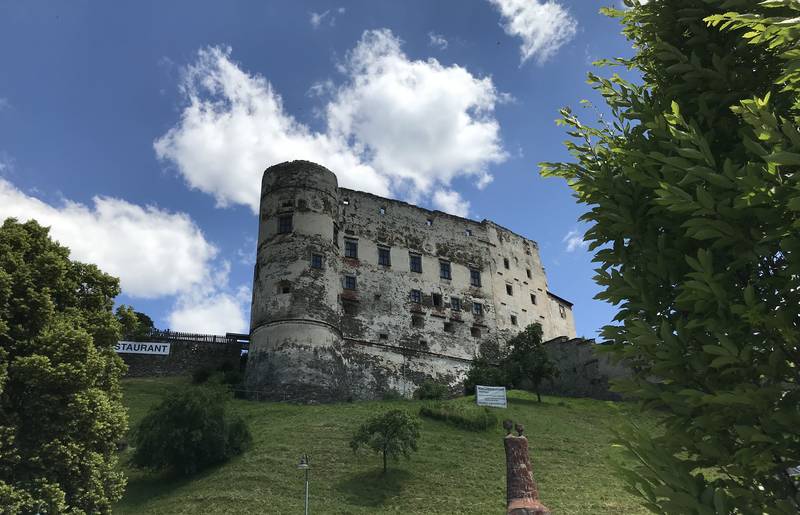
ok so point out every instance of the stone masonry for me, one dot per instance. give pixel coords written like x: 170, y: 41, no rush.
x: 355, y: 294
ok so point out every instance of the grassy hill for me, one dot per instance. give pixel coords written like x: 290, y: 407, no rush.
x: 455, y: 471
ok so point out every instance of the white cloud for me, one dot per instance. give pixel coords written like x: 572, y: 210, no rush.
x: 395, y: 126
x: 543, y: 26
x: 316, y: 19
x: 437, y: 40
x: 152, y: 251
x: 574, y: 241
x: 211, y: 307
x: 451, y: 202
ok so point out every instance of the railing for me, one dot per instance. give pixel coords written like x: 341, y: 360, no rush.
x: 178, y: 336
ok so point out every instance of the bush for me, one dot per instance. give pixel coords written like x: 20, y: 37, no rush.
x: 431, y: 390
x: 464, y: 416
x: 232, y: 377
x: 201, y: 375
x: 188, y: 431
x: 392, y: 394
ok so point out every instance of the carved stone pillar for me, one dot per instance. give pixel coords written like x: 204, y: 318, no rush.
x: 522, y: 494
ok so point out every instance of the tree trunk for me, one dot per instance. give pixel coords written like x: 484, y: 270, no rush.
x: 538, y: 396
x: 384, y: 461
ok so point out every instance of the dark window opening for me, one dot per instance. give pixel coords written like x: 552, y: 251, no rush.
x: 285, y: 288
x: 533, y: 298
x: 284, y: 224
x: 287, y: 203
x: 415, y: 263
x: 444, y: 270
x: 383, y: 336
x: 384, y: 256
x: 336, y: 236
x: 505, y: 263
x: 448, y: 327
x: 350, y: 307
x: 455, y: 303
x: 468, y: 232
x: 417, y: 321
x: 349, y: 282
x: 475, y: 277
x: 528, y: 271
x: 477, y: 309
x: 429, y: 222
x: 475, y: 331
x: 351, y: 248
x: 509, y: 289
x: 416, y: 296
x: 513, y: 319
x: 302, y: 204
x: 437, y: 300
x: 316, y: 260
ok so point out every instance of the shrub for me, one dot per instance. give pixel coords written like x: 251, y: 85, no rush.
x: 391, y: 434
x: 464, y: 416
x: 188, y: 431
x: 232, y: 377
x: 392, y: 394
x: 201, y: 375
x: 431, y: 390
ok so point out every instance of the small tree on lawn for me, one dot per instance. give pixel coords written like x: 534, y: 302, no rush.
x: 527, y: 363
x: 391, y: 434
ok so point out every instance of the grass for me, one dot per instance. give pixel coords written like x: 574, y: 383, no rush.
x: 454, y: 471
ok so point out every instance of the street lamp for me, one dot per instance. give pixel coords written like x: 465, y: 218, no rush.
x: 304, y: 465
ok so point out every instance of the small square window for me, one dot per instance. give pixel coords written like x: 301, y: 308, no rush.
x: 444, y: 270
x: 528, y: 271
x: 349, y: 282
x: 477, y: 309
x: 384, y: 256
x: 346, y: 202
x: 513, y: 319
x: 455, y: 303
x: 350, y: 307
x: 475, y: 277
x: 417, y: 321
x: 448, y: 327
x: 468, y: 232
x: 533, y: 298
x: 284, y: 224
x: 316, y: 260
x: 351, y: 248
x: 429, y: 222
x: 509, y: 289
x: 383, y: 210
x: 416, y: 296
x: 286, y: 289
x: 562, y: 311
x: 383, y: 336
x: 286, y: 203
x: 475, y: 332
x: 505, y: 263
x: 415, y: 263
x: 302, y: 204
x: 437, y: 300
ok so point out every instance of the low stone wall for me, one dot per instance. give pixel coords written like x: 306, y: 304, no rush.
x: 583, y: 370
x: 184, y: 358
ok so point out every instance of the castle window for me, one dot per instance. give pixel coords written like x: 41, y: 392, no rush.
x: 349, y: 282
x: 429, y: 222
x: 467, y: 232
x: 383, y: 210
x: 302, y: 204
x: 351, y: 248
x: 416, y: 296
x: 284, y: 224
x: 562, y: 311
x: 475, y: 332
x: 417, y: 321
x: 448, y: 327
x: 350, y: 307
x: 528, y: 271
x: 533, y: 298
x: 475, y: 277
x: 384, y: 256
x: 455, y: 303
x: 513, y: 319
x: 284, y: 287
x: 437, y: 300
x: 444, y: 270
x: 336, y: 235
x: 346, y: 201
x: 415, y: 263
x: 505, y: 263
x: 509, y: 289
x: 287, y: 203
x: 477, y: 309
x: 383, y: 336
x: 316, y: 260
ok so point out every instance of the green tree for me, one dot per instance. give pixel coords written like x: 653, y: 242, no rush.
x: 189, y: 430
x: 487, y: 369
x: 61, y: 410
x: 391, y: 434
x: 134, y: 323
x: 527, y: 363
x: 694, y: 196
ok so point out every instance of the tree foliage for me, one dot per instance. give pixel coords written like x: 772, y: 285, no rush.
x: 391, y: 434
x: 135, y: 324
x: 61, y: 410
x: 188, y: 431
x: 694, y: 197
x: 527, y: 363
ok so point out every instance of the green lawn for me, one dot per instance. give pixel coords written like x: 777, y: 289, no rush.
x: 454, y: 471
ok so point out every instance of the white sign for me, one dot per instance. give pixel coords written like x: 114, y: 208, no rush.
x: 494, y: 396
x: 142, y: 348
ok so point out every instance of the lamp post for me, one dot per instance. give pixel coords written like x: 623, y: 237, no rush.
x: 304, y: 465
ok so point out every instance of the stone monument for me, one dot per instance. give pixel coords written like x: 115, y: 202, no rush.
x: 522, y: 494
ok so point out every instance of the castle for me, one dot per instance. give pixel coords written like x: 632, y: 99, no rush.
x: 355, y: 294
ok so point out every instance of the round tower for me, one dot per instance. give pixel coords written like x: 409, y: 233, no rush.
x: 294, y: 321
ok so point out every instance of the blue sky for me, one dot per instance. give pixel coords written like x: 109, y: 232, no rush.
x: 139, y: 130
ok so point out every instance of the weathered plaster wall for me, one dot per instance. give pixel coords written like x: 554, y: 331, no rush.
x: 183, y: 358
x: 311, y: 336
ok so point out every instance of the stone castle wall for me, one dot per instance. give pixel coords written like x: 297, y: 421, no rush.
x: 183, y: 358
x: 583, y: 369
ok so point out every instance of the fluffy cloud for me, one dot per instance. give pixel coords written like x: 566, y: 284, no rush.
x: 450, y: 202
x: 574, y: 241
x: 212, y: 307
x: 437, y: 40
x: 543, y: 26
x: 152, y: 251
x: 395, y: 126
